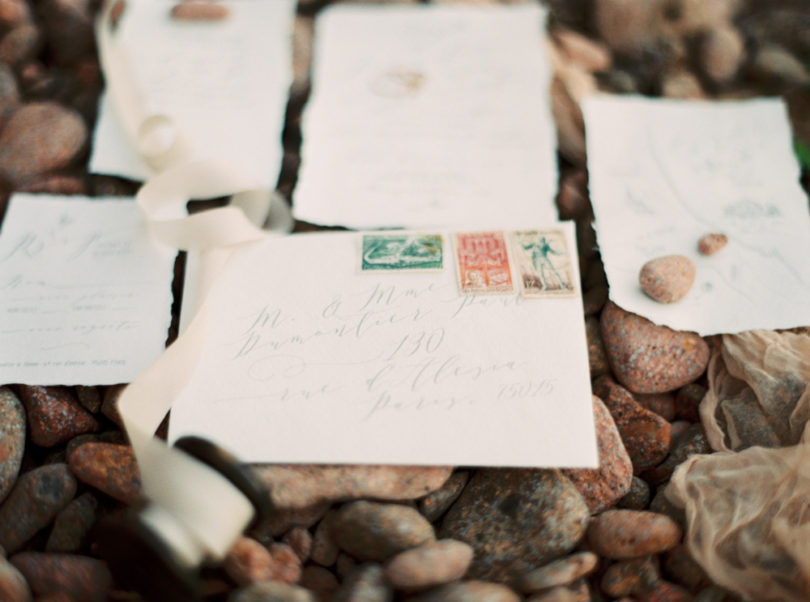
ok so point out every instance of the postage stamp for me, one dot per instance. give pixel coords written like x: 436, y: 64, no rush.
x: 543, y: 263
x: 482, y: 260
x: 398, y: 251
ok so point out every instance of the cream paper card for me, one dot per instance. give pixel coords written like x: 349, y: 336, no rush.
x: 663, y: 173
x: 320, y: 351
x: 427, y: 115
x: 225, y: 83
x: 86, y: 293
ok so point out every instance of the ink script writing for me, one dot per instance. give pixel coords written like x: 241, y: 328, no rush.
x: 310, y: 358
x: 86, y: 295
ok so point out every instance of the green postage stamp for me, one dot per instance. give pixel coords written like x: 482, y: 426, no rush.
x: 402, y: 251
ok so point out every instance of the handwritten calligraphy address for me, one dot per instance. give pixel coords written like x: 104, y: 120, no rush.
x: 312, y: 361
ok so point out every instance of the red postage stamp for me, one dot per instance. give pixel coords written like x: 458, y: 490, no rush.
x: 543, y: 263
x: 482, y: 260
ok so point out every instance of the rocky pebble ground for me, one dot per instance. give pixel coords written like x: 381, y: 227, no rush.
x: 376, y: 534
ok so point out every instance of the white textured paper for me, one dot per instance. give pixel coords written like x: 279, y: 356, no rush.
x: 86, y: 294
x: 662, y: 173
x: 427, y: 115
x: 310, y: 359
x: 224, y: 83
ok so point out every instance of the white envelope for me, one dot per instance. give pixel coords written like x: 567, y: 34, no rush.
x: 309, y: 358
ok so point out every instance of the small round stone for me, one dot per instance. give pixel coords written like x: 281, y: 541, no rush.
x: 304, y: 485
x: 662, y: 404
x: 89, y: 397
x: 560, y: 572
x: 324, y: 550
x: 681, y: 567
x: 692, y: 441
x: 572, y: 200
x: 516, y: 520
x: 597, y: 357
x: 40, y: 137
x: 602, y: 487
x: 722, y: 51
x: 320, y: 581
x: 681, y: 83
x: 645, y: 435
x: 687, y: 402
x: 20, y: 44
x: 365, y: 583
x: 583, y: 51
x: 199, y: 10
x: 73, y: 525
x: 271, y: 591
x: 664, y: 592
x: 678, y: 428
x: 108, y: 467
x: 374, y: 531
x: 638, y: 497
x: 711, y: 243
x: 13, y: 12
x: 285, y: 565
x: 284, y: 519
x: 80, y: 577
x: 469, y: 591
x: 576, y: 592
x: 54, y: 414
x: 628, y: 577
x: 435, y: 504
x: 662, y: 505
x: 9, y: 92
x: 620, y: 534
x: 429, y: 565
x: 345, y: 565
x: 300, y: 540
x: 667, y: 279
x: 12, y: 439
x: 247, y: 562
x: 36, y: 499
x: 13, y: 586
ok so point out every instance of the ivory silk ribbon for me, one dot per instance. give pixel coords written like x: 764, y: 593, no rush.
x: 211, y: 511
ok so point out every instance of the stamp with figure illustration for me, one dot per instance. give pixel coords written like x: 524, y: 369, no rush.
x: 543, y: 263
x: 398, y: 251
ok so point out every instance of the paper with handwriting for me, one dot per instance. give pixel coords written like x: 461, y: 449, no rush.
x: 225, y: 83
x: 427, y: 115
x: 313, y: 359
x: 86, y: 293
x: 663, y: 173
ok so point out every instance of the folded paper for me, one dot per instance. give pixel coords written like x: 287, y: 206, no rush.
x: 425, y: 115
x: 663, y: 173
x: 86, y: 291
x: 312, y: 358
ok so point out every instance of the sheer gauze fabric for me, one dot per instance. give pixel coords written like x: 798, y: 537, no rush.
x: 747, y: 506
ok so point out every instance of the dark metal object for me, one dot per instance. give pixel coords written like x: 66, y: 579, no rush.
x: 229, y: 467
x: 141, y: 560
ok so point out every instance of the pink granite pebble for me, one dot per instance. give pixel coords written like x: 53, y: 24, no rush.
x: 667, y: 279
x: 709, y: 244
x: 620, y: 534
x: 647, y: 358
